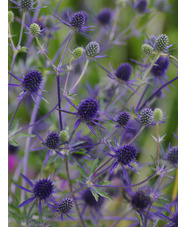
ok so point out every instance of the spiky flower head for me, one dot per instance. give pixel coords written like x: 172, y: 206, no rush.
x: 78, y: 20
x: 49, y: 21
x: 43, y: 189
x: 10, y: 16
x: 140, y: 200
x: 64, y: 136
x: 32, y: 81
x: 172, y: 155
x: 162, y: 42
x: 26, y: 4
x: 92, y: 49
x: 104, y: 17
x: 77, y: 53
x: 141, y: 6
x: 65, y: 206
x: 90, y: 200
x: 126, y: 154
x: 53, y: 140
x: 174, y: 220
x: 146, y: 116
x: 147, y: 49
x: 123, y: 119
x: 160, y: 67
x: 88, y: 109
x: 35, y: 29
x: 157, y: 115
x: 124, y: 72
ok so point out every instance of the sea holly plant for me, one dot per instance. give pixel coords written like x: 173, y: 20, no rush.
x: 92, y: 128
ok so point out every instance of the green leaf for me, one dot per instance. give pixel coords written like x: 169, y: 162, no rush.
x: 13, y: 215
x: 155, y: 224
x: 22, y: 135
x: 81, y: 180
x: 94, y: 166
x: 14, y: 142
x: 82, y: 171
x: 139, y: 218
x: 94, y: 193
x: 102, y: 193
x: 23, y: 49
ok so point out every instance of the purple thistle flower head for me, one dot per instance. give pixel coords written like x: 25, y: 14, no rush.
x: 126, y: 154
x: 32, y: 81
x: 174, y: 220
x: 123, y: 119
x: 26, y: 4
x: 140, y: 200
x: 53, y: 140
x: 124, y: 72
x: 141, y: 6
x: 64, y: 206
x: 92, y: 49
x: 78, y: 20
x: 104, y: 17
x: 43, y: 189
x: 88, y: 109
x: 90, y: 200
x: 172, y: 155
x: 160, y: 67
x: 162, y: 42
x: 146, y: 116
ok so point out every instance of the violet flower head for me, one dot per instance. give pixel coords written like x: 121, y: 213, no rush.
x: 63, y: 207
x: 124, y: 72
x: 123, y: 119
x: 140, y: 200
x: 140, y: 6
x: 32, y: 81
x: 172, y: 156
x: 92, y: 49
x: 104, y: 17
x: 160, y: 67
x: 77, y: 23
x: 146, y: 116
x: 42, y: 190
x: 123, y: 155
x: 88, y: 109
x: 24, y: 5
x: 53, y: 140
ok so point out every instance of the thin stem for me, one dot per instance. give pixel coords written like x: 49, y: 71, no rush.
x: 28, y: 141
x: 43, y: 52
x: 130, y: 186
x: 112, y: 133
x: 173, y: 58
x: 12, y: 118
x: 122, y: 217
x: 66, y: 81
x: 152, y: 63
x: 59, y: 102
x: 30, y: 210
x: 51, y: 220
x: 10, y: 37
x: 70, y: 187
x: 66, y: 47
x: 156, y: 92
x: 141, y: 98
x: 140, y: 131
x: 114, y: 24
x: 22, y: 26
x: 81, y: 76
x: 104, y: 164
x: 175, y: 188
x: 158, y: 146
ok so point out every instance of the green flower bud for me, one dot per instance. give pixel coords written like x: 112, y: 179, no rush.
x: 10, y: 16
x: 64, y: 136
x: 35, y: 29
x: 147, y: 49
x: 157, y: 115
x: 78, y: 52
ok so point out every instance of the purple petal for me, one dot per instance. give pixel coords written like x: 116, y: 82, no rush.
x: 14, y: 85
x: 91, y: 129
x: 60, y: 154
x: 62, y: 218
x: 27, y: 180
x: 77, y: 124
x: 47, y: 157
x: 108, y: 153
x: 70, y: 102
x: 38, y: 149
x: 70, y: 217
x: 66, y: 111
x: 62, y: 21
x: 26, y: 202
x: 99, y: 125
x: 110, y: 147
x: 113, y: 167
x: 25, y: 189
